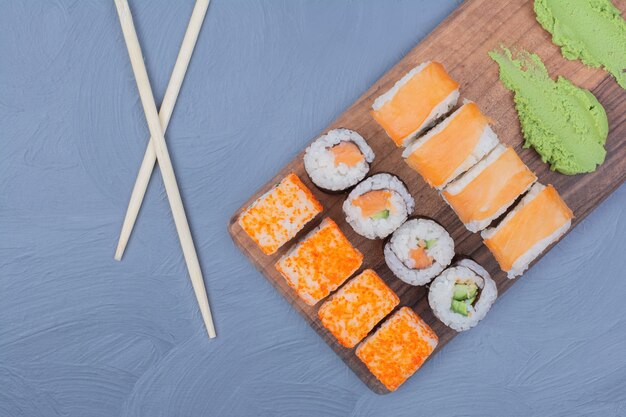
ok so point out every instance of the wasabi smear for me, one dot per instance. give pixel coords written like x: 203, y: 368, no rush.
x: 565, y: 124
x: 590, y: 30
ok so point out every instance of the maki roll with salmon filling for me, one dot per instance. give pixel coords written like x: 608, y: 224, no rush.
x: 338, y: 160
x: 378, y: 206
x: 462, y: 295
x: 418, y: 251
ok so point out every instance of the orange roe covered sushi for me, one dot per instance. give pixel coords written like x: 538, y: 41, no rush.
x: 320, y: 263
x: 353, y: 311
x: 278, y: 215
x: 398, y: 349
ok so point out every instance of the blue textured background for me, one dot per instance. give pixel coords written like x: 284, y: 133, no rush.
x: 82, y: 335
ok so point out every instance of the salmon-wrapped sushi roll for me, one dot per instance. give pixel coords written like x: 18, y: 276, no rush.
x: 452, y: 147
x: 320, y: 263
x: 398, y: 348
x: 353, y: 311
x: 488, y: 189
x: 278, y: 215
x: 415, y: 102
x: 539, y: 220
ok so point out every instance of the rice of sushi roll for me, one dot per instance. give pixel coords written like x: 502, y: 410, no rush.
x: 378, y: 206
x: 338, y: 160
x: 462, y: 295
x: 418, y: 251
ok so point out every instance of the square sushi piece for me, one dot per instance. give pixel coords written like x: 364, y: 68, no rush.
x: 488, y: 189
x: 353, y: 311
x: 415, y: 102
x: 320, y: 263
x: 398, y: 348
x: 452, y: 147
x: 278, y: 215
x: 539, y: 220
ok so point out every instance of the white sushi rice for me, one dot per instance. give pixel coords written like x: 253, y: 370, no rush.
x: 398, y: 250
x: 460, y: 183
x: 401, y: 200
x: 442, y: 290
x: 440, y: 110
x: 487, y: 141
x: 319, y: 161
x: 522, y: 263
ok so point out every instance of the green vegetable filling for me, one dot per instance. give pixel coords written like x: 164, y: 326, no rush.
x: 463, y: 298
x: 381, y: 215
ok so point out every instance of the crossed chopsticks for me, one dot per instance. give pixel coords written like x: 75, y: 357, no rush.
x: 157, y: 149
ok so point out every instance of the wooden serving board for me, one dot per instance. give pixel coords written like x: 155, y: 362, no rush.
x: 461, y: 43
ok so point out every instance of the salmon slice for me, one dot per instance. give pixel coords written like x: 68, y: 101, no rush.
x: 409, y: 106
x: 373, y: 202
x: 488, y: 189
x: 347, y: 153
x: 353, y: 311
x: 420, y: 257
x: 540, y: 218
x: 443, y: 153
x: 398, y: 348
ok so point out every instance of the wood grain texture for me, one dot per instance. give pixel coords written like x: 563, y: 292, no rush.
x: 461, y: 43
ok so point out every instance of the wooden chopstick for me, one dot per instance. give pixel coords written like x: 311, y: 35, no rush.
x: 167, y: 171
x: 165, y: 113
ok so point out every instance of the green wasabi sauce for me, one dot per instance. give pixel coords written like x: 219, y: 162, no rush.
x: 590, y: 30
x: 565, y: 124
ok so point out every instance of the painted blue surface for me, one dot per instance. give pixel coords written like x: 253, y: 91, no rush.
x: 82, y: 335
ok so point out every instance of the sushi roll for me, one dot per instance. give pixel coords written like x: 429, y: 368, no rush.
x: 320, y: 263
x: 415, y: 102
x: 338, y: 160
x: 278, y: 215
x: 378, y: 206
x: 452, y: 147
x: 462, y: 295
x: 418, y: 251
x: 398, y: 348
x: 353, y: 311
x: 538, y: 220
x: 489, y: 188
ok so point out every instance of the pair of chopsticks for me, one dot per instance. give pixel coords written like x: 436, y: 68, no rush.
x: 157, y: 149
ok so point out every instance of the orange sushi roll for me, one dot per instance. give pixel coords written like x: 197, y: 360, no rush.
x: 398, y: 348
x: 320, y: 263
x: 539, y: 220
x: 353, y: 311
x: 278, y: 215
x: 452, y: 147
x: 484, y: 192
x: 415, y: 102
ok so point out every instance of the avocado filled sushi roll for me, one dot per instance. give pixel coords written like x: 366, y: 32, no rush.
x: 418, y: 251
x: 378, y: 206
x: 462, y: 295
x: 338, y: 160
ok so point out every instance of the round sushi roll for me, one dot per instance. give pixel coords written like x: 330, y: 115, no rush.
x: 418, y: 251
x: 378, y: 206
x: 462, y: 295
x: 338, y: 160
